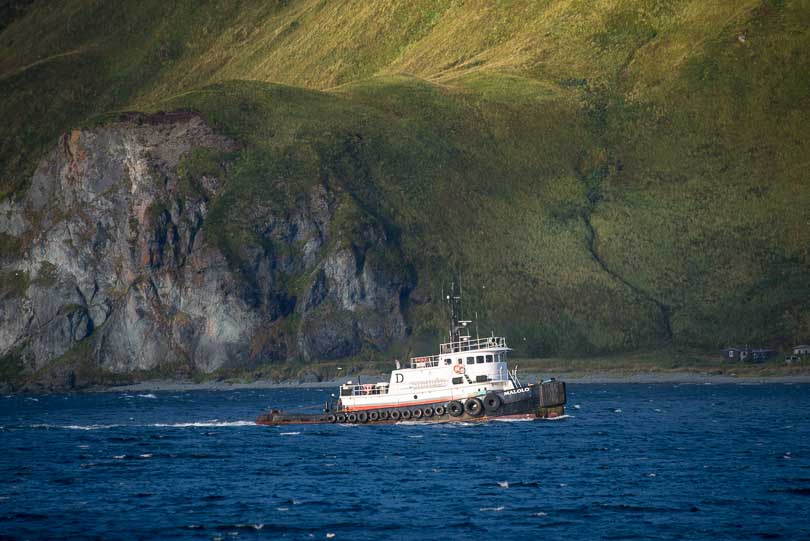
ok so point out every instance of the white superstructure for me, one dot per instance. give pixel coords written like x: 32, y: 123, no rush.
x: 464, y: 368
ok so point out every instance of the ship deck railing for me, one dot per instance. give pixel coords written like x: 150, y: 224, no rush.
x: 364, y: 389
x: 425, y: 362
x: 472, y: 344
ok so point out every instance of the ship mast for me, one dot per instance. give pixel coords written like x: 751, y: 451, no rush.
x: 457, y: 325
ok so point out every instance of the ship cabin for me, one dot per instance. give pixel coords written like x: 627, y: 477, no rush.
x: 463, y: 368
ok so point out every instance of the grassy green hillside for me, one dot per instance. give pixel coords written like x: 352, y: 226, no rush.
x: 609, y: 176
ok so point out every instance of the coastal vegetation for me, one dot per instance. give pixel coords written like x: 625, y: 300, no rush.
x: 605, y: 177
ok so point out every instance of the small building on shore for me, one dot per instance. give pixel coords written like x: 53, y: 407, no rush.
x: 801, y: 350
x: 757, y: 355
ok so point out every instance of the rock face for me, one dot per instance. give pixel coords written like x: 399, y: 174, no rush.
x: 109, y: 256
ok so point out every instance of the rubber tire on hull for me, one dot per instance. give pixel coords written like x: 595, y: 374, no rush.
x: 395, y: 415
x: 384, y: 415
x: 417, y: 413
x: 440, y: 411
x: 427, y: 412
x: 455, y: 408
x: 331, y: 418
x: 362, y: 417
x: 406, y: 414
x: 492, y: 402
x: 474, y: 407
x: 374, y: 416
x: 352, y: 417
x: 341, y: 418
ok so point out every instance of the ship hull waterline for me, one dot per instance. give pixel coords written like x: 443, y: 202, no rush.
x: 536, y: 401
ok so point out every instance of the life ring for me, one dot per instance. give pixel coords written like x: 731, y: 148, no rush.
x: 427, y: 412
x: 331, y: 418
x: 458, y: 369
x: 341, y: 418
x: 439, y: 410
x: 362, y: 417
x: 395, y: 415
x: 455, y: 409
x: 384, y: 415
x: 492, y: 402
x: 406, y: 414
x: 352, y: 417
x: 417, y: 413
x: 473, y: 407
x: 374, y: 416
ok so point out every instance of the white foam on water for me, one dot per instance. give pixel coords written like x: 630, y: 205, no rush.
x: 148, y: 395
x: 119, y: 457
x: 539, y: 514
x: 503, y: 484
x: 282, y: 508
x: 512, y: 420
x: 203, y: 424
x: 77, y: 427
x: 576, y: 406
x: 617, y: 410
x: 416, y: 436
x: 494, y: 509
x: 289, y: 434
x: 146, y: 455
x: 330, y: 535
x: 558, y: 418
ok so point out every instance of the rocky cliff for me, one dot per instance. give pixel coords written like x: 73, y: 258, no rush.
x: 108, y: 257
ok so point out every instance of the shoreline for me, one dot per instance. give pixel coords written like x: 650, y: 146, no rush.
x: 586, y: 379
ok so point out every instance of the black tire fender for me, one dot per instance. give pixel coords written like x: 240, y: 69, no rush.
x: 395, y: 415
x: 331, y: 418
x: 341, y: 418
x: 440, y: 410
x: 406, y: 414
x: 362, y: 417
x: 352, y: 417
x: 473, y: 407
x: 492, y: 402
x: 374, y: 416
x: 384, y: 415
x: 427, y: 412
x: 455, y: 408
x: 417, y: 413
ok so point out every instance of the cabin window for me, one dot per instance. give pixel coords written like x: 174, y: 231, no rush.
x: 458, y: 381
x: 489, y: 358
x: 459, y: 361
x: 479, y: 379
x: 448, y: 361
x: 470, y: 360
x: 479, y: 359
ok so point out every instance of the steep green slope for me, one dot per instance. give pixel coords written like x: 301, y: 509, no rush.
x: 610, y: 176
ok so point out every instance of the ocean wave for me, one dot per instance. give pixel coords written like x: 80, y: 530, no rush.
x: 73, y: 427
x: 204, y: 424
x: 148, y: 395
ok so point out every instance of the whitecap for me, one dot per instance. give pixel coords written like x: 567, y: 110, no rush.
x: 495, y: 509
x: 210, y: 423
x: 148, y: 395
x: 558, y: 418
x: 146, y: 455
x: 33, y: 399
x: 119, y: 457
x: 501, y: 420
x: 84, y: 427
x: 329, y: 535
x: 576, y: 406
x: 617, y: 410
x: 503, y: 484
x: 289, y: 433
x: 650, y: 475
x: 282, y: 508
x: 539, y: 514
x: 416, y: 436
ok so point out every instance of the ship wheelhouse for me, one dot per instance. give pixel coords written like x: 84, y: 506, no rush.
x: 464, y: 368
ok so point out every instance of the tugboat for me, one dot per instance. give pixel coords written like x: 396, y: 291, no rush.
x: 467, y: 381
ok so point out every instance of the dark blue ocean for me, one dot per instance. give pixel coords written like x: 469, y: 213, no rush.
x: 631, y: 461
